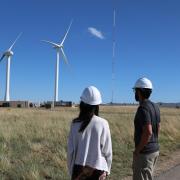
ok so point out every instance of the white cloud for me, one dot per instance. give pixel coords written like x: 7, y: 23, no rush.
x: 96, y: 32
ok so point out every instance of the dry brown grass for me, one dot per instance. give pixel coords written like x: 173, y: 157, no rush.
x: 33, y: 141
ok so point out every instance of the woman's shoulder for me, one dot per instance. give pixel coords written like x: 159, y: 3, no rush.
x: 76, y: 120
x: 100, y: 120
x: 75, y: 123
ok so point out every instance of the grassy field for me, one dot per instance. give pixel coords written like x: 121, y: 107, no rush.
x: 33, y: 141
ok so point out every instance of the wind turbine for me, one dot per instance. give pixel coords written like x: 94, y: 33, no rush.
x: 59, y: 48
x: 8, y: 54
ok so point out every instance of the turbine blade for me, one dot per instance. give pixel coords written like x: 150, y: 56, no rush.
x: 66, y: 32
x: 15, y: 41
x: 2, y: 57
x: 64, y: 56
x: 52, y: 43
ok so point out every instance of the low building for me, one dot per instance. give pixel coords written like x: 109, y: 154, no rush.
x: 63, y: 103
x: 14, y: 104
x: 60, y: 103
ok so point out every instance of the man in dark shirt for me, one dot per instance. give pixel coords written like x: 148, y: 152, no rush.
x: 146, y: 125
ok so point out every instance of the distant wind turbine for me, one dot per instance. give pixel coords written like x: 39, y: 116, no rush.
x: 58, y: 47
x: 8, y: 54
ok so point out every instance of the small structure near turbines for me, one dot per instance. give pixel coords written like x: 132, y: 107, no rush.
x: 14, y: 104
x: 8, y: 54
x: 59, y: 48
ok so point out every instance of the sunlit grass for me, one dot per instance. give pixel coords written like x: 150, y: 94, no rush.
x: 33, y: 141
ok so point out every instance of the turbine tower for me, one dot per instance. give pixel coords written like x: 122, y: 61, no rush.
x: 59, y: 48
x: 8, y: 54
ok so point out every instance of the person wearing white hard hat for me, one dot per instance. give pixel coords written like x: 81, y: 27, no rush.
x: 146, y: 125
x: 89, y: 142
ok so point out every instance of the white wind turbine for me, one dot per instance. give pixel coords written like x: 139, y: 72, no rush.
x: 59, y: 47
x: 8, y: 54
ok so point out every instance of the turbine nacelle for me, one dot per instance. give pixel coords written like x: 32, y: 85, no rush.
x: 8, y: 53
x: 57, y: 47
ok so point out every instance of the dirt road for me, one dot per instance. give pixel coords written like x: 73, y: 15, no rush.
x: 173, y: 174
x: 168, y: 167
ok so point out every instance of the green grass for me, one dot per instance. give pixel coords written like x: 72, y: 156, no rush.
x: 33, y: 141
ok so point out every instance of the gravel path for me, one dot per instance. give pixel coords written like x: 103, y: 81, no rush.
x: 171, y: 174
x: 168, y: 168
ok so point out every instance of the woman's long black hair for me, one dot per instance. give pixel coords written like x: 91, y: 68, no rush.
x: 86, y: 113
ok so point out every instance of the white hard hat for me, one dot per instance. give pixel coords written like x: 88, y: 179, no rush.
x: 143, y: 83
x: 91, y: 96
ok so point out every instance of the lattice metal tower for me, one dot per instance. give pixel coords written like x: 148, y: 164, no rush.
x: 113, y: 54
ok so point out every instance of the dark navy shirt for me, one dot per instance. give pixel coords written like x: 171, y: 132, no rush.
x: 147, y: 113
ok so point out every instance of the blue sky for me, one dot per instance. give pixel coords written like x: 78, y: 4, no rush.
x: 147, y: 44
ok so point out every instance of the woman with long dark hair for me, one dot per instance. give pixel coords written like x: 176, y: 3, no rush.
x: 89, y: 143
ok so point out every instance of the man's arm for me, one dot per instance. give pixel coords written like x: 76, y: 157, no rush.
x: 159, y: 127
x: 146, y: 135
